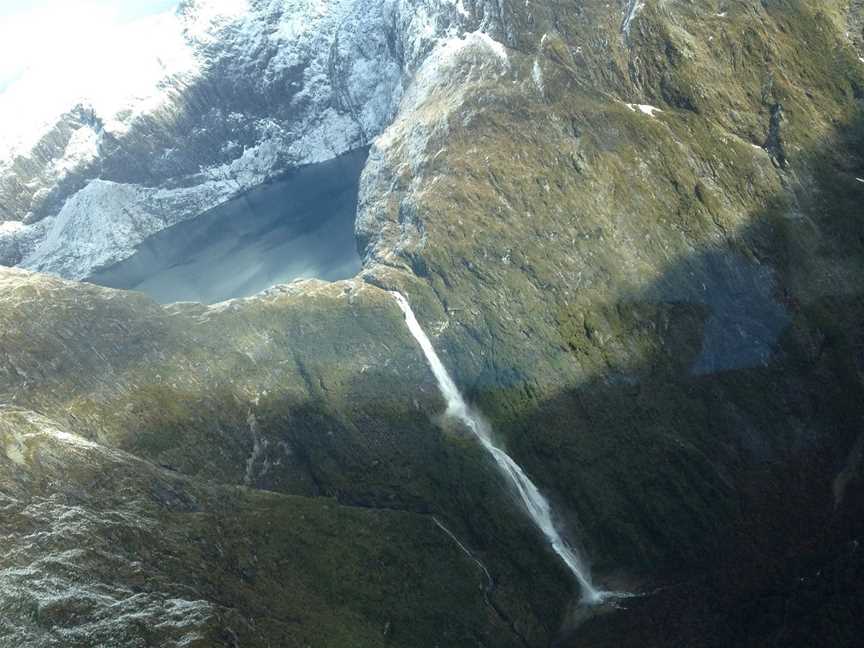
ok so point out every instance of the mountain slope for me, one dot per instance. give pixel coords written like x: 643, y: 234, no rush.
x: 633, y: 232
x: 251, y: 89
x: 107, y: 549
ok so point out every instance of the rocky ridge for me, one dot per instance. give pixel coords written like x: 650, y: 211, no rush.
x: 252, y: 89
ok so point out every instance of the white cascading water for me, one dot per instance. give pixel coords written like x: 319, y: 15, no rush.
x: 537, y: 506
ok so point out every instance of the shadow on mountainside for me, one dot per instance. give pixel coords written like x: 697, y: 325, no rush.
x: 723, y: 470
x: 719, y: 473
x: 704, y: 474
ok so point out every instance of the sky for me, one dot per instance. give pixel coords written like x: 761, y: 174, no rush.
x: 110, y: 55
x: 35, y: 33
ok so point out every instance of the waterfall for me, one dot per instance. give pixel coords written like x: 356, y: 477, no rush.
x: 632, y: 11
x: 535, y: 504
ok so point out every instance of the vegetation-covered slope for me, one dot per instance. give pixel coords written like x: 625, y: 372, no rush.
x: 640, y: 253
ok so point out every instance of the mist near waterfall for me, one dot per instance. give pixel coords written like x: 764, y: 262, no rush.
x: 535, y: 504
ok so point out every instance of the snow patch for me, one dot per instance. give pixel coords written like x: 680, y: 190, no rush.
x: 644, y: 108
x: 448, y: 52
x: 335, y: 60
x: 82, y: 149
x: 460, y: 7
x: 205, y: 20
x: 8, y: 228
x: 450, y: 48
x: 104, y: 223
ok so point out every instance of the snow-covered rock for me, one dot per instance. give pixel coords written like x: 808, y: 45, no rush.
x: 230, y: 95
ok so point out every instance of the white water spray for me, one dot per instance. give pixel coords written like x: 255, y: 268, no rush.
x: 632, y: 11
x: 537, y: 506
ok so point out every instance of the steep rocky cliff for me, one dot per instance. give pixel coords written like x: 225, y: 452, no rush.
x: 243, y: 92
x: 633, y: 230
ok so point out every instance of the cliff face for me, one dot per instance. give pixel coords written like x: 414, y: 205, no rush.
x: 633, y: 230
x: 644, y: 239
x: 243, y: 92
